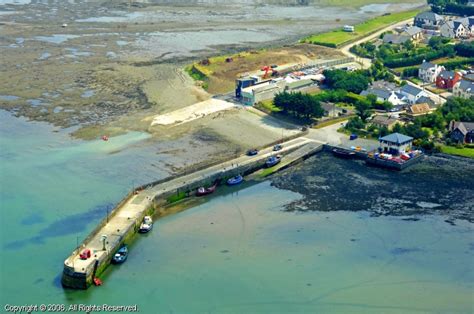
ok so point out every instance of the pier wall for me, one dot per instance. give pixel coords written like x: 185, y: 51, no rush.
x: 79, y: 274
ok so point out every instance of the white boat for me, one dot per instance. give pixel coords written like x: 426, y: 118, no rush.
x: 146, y: 225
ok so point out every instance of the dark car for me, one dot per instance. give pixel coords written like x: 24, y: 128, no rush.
x: 277, y: 147
x: 252, y: 152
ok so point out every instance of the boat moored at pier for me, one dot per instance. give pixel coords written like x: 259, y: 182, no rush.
x: 235, y: 180
x: 272, y: 161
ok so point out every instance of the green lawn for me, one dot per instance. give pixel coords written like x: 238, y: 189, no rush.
x: 267, y: 106
x: 451, y: 150
x: 330, y: 122
x: 338, y: 37
x: 358, y: 3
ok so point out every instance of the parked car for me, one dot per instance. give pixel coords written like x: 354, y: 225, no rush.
x: 85, y: 254
x: 252, y: 152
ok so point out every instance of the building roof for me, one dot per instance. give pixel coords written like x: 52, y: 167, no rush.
x: 413, y: 30
x: 425, y: 100
x: 419, y: 109
x: 299, y: 84
x: 384, y: 120
x: 428, y: 16
x: 427, y: 65
x: 379, y: 92
x: 447, y: 74
x: 395, y: 39
x: 469, y: 77
x: 384, y: 85
x: 397, y: 138
x: 263, y: 86
x: 410, y: 89
x: 467, y: 86
x: 464, y: 127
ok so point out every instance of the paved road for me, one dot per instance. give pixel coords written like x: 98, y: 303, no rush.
x: 366, y: 63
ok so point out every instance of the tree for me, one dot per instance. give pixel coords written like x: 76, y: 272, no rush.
x: 372, y: 99
x: 355, y: 123
x: 383, y: 131
x: 354, y: 82
x: 465, y: 49
x: 299, y: 104
x: 458, y: 109
x: 408, y: 45
x: 436, y: 42
x: 363, y: 109
x: 385, y: 105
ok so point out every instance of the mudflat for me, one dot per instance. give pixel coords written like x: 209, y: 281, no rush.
x: 104, y: 66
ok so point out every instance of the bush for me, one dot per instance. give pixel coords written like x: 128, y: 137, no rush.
x: 456, y: 64
x: 409, y: 72
x: 330, y: 45
x: 299, y: 104
x: 354, y: 124
x: 354, y: 82
x: 446, y: 51
x: 465, y: 49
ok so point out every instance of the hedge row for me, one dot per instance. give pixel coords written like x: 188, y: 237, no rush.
x: 330, y: 45
x: 418, y: 59
x: 452, y: 65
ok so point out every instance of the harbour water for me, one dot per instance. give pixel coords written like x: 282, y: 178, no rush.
x: 240, y: 251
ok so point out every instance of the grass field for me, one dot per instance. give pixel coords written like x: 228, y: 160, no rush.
x: 359, y: 3
x: 339, y: 37
x: 451, y: 150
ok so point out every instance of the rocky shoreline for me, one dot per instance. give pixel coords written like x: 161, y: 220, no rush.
x: 439, y: 184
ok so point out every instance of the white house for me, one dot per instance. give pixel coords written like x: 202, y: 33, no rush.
x: 428, y: 72
x: 463, y: 89
x: 468, y: 23
x: 454, y: 29
x: 412, y: 93
x: 384, y: 93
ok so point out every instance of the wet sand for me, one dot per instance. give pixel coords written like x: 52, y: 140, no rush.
x: 115, y: 63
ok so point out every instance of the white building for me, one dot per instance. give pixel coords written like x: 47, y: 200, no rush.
x: 412, y: 93
x: 454, y: 29
x: 263, y: 91
x: 268, y: 89
x: 384, y: 94
x: 463, y: 89
x: 428, y: 72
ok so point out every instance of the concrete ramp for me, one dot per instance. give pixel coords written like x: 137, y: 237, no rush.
x: 193, y: 112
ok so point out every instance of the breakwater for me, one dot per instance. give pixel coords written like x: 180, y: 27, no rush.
x: 122, y: 223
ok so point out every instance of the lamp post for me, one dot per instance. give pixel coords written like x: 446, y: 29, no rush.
x: 103, y: 238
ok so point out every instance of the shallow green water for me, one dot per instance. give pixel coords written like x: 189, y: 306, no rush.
x: 237, y: 253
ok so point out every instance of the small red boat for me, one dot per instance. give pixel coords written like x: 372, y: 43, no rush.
x: 97, y: 281
x: 205, y: 191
